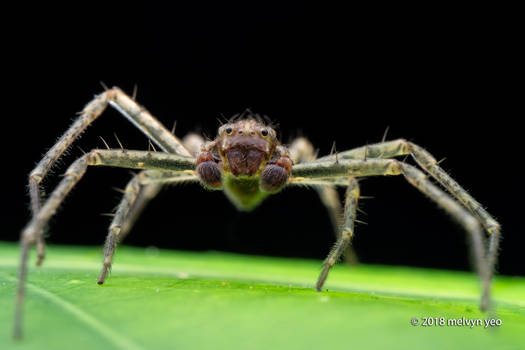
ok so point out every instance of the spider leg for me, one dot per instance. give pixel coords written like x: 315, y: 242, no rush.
x: 301, y: 151
x: 424, y: 159
x: 114, y: 158
x: 138, y: 192
x: 191, y: 142
x: 330, y: 198
x: 324, y: 170
x: 347, y: 231
x: 136, y: 114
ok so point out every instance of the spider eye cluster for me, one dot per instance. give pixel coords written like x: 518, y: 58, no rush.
x: 263, y: 131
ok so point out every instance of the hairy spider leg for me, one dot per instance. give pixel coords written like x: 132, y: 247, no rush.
x: 347, y: 231
x: 317, y: 171
x: 426, y: 161
x: 114, y: 158
x: 140, y: 190
x: 302, y: 151
x: 136, y: 114
x: 152, y: 184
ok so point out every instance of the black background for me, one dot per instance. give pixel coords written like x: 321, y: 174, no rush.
x: 444, y: 78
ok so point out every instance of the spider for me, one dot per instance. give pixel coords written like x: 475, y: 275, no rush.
x: 247, y: 162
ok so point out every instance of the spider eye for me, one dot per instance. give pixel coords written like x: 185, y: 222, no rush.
x: 229, y: 130
x: 264, y: 132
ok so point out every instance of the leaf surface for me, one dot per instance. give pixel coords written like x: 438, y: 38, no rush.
x: 160, y: 299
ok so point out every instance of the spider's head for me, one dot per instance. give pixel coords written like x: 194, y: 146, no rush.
x: 245, y: 146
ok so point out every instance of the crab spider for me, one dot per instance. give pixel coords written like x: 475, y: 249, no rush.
x: 247, y: 162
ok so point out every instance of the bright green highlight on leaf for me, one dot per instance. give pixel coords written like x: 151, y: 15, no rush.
x: 159, y: 299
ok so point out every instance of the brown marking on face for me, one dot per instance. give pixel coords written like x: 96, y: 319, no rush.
x: 245, y: 146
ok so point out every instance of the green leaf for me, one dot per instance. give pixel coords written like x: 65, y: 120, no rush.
x: 159, y: 299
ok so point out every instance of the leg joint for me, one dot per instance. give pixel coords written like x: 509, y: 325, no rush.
x: 395, y: 167
x: 422, y: 156
x: 346, y: 234
x: 112, y: 93
x: 114, y: 230
x: 471, y: 223
x: 493, y: 227
x: 35, y: 176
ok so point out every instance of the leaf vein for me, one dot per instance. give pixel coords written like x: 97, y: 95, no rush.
x: 104, y: 330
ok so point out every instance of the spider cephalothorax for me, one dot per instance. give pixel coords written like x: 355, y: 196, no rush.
x: 246, y: 160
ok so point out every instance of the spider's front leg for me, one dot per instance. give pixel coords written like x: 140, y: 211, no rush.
x: 127, y: 106
x: 347, y: 231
